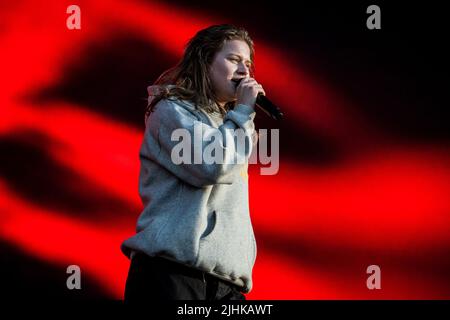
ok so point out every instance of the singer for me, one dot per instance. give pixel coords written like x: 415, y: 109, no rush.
x: 194, y: 238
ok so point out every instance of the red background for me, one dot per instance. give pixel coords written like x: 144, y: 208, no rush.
x: 364, y: 155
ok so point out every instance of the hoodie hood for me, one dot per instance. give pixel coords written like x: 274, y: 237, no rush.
x: 153, y: 91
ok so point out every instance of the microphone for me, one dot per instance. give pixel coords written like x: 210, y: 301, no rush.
x: 268, y: 107
x: 265, y: 104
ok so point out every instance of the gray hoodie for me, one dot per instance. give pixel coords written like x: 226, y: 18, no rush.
x: 195, y: 214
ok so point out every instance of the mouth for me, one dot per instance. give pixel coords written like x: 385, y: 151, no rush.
x: 236, y: 81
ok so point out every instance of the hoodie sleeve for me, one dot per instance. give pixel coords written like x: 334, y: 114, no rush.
x: 162, y: 143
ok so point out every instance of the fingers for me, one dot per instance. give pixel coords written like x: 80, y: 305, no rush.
x: 247, y: 91
x: 260, y: 89
x: 252, y: 84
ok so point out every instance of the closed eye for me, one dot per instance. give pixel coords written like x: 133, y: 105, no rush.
x: 237, y: 60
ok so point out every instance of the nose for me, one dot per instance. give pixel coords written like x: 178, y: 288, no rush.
x: 243, y: 69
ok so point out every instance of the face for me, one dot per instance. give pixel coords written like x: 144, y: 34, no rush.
x: 232, y: 62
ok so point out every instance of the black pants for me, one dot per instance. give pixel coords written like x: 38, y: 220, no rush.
x: 158, y: 279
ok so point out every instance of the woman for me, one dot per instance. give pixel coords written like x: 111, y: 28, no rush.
x: 194, y: 238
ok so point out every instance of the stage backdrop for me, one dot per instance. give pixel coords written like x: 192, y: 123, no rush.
x: 364, y: 172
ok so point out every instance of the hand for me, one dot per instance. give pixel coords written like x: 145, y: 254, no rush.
x: 247, y: 91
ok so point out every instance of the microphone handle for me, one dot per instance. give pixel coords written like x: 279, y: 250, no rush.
x: 268, y: 107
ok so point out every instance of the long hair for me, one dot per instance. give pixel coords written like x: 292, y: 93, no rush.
x: 189, y: 78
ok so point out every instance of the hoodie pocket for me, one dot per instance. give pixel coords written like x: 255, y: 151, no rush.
x: 210, y: 243
x: 211, y: 225
x: 224, y: 248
